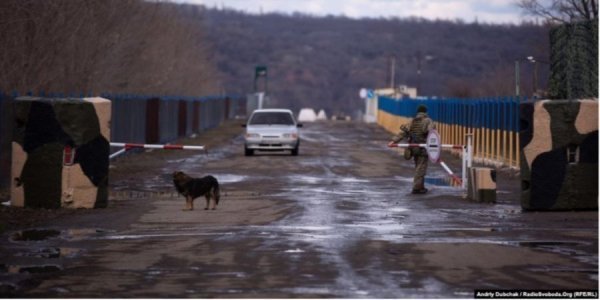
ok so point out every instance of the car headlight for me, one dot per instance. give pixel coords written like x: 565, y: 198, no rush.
x: 252, y: 135
x: 290, y: 135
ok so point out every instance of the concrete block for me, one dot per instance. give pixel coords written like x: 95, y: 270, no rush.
x: 60, y: 151
x: 481, y: 185
x: 559, y: 155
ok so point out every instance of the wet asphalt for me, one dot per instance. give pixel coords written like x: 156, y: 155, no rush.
x: 337, y: 221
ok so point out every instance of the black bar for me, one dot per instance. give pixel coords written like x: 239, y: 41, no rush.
x: 535, y: 294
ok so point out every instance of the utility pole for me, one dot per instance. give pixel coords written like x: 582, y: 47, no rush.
x: 419, y: 72
x: 517, y: 78
x: 261, y: 71
x: 393, y: 71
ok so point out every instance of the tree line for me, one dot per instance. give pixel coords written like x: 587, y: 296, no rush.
x: 154, y: 47
x: 95, y: 46
x: 323, y: 62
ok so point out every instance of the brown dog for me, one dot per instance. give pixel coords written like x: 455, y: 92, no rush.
x: 192, y: 188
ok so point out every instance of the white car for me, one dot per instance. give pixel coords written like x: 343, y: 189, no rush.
x: 272, y: 130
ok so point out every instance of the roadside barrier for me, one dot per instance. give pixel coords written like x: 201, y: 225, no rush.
x: 143, y: 119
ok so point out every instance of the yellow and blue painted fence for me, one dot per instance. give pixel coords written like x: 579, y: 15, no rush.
x: 494, y: 123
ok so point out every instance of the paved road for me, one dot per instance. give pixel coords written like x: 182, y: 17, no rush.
x: 336, y: 221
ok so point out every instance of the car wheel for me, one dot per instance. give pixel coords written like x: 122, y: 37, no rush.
x: 248, y: 152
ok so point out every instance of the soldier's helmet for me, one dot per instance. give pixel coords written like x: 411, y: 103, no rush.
x: 422, y: 108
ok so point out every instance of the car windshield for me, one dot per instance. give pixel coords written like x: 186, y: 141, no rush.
x: 271, y: 118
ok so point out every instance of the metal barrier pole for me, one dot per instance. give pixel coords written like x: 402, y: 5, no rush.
x: 470, y: 150
x: 127, y: 146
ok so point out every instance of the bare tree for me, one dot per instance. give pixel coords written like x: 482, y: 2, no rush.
x: 127, y: 46
x: 561, y: 11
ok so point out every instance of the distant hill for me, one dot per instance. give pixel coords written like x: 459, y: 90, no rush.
x: 322, y: 62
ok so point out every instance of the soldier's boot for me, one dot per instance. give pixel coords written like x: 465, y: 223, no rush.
x: 419, y: 190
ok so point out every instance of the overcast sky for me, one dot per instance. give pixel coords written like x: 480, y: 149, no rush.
x: 491, y: 11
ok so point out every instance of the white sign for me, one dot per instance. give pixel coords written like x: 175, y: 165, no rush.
x: 434, y: 145
x: 370, y: 94
x: 363, y: 93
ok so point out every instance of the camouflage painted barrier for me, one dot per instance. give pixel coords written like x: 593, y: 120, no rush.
x: 482, y: 185
x: 60, y: 150
x: 559, y: 155
x: 5, y: 139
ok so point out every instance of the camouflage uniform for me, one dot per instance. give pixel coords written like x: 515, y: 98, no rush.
x: 417, y: 132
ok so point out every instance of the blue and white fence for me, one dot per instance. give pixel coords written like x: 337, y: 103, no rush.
x: 494, y: 123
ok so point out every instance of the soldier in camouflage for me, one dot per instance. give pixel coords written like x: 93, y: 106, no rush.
x: 416, y: 132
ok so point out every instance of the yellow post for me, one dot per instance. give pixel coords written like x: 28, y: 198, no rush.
x: 488, y: 144
x: 456, y: 136
x: 518, y: 154
x: 498, y: 157
x: 483, y: 142
x: 504, y: 154
x: 451, y: 134
x: 510, y: 148
x: 443, y: 131
x: 493, y: 144
x: 476, y: 143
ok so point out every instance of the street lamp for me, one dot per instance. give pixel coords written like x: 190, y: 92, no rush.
x: 261, y: 71
x: 392, y: 71
x: 535, y: 73
x: 535, y: 62
x: 419, y: 59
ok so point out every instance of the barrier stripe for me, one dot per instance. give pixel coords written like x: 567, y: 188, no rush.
x: 454, y: 177
x: 117, y: 153
x: 157, y: 146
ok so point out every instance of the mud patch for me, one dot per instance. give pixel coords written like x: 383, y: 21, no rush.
x: 34, y: 235
x: 53, y: 252
x: 34, y: 269
x: 7, y: 289
x: 547, y: 244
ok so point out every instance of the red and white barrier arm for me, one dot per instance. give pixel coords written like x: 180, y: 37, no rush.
x: 425, y: 145
x: 156, y: 146
x: 452, y: 175
x: 127, y: 146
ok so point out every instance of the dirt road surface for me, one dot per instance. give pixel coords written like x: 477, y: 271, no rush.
x: 336, y: 221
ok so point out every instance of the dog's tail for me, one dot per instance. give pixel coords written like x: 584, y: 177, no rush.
x: 217, y: 192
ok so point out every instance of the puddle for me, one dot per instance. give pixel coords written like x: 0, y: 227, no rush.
x: 354, y: 180
x: 310, y: 291
x: 228, y: 274
x: 548, y: 244
x: 85, y: 233
x: 229, y: 178
x: 34, y: 269
x: 51, y: 253
x: 7, y: 288
x: 306, y: 179
x: 34, y: 235
x: 403, y: 179
x: 297, y: 250
x: 69, y: 234
x: 445, y: 181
